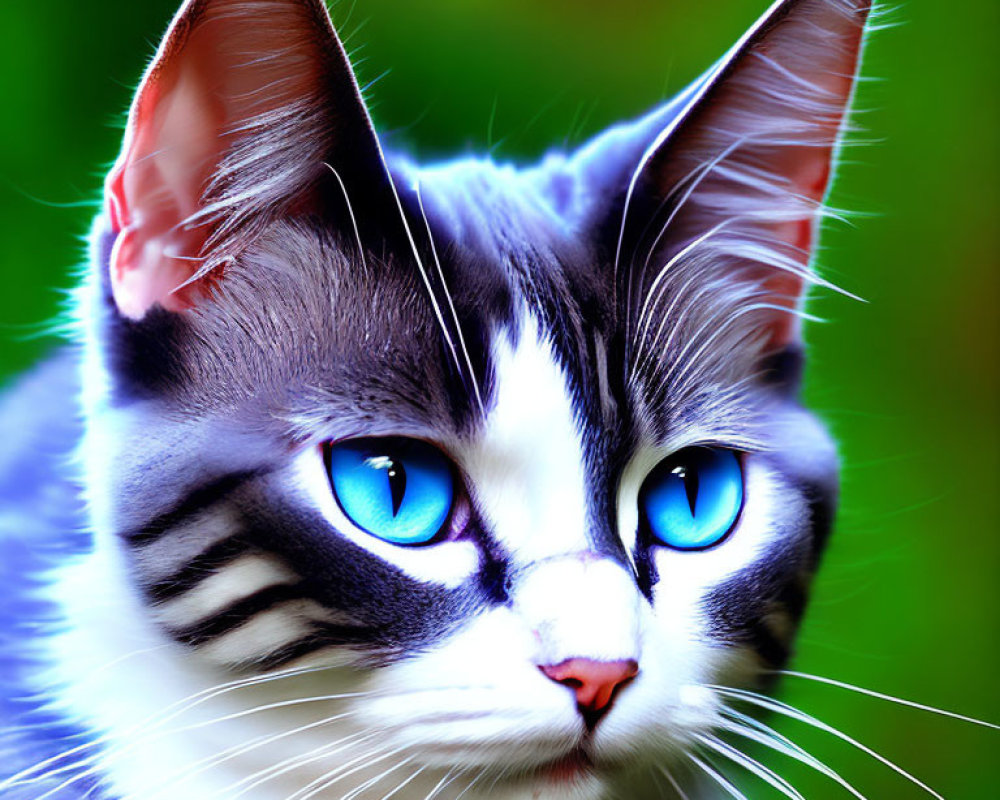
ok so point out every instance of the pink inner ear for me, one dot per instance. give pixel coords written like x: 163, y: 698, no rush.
x: 767, y: 129
x: 174, y: 141
x: 228, y: 126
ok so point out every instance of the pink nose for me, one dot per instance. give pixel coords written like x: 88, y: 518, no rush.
x: 593, y: 682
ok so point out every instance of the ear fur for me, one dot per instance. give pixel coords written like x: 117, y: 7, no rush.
x: 244, y: 106
x: 733, y: 186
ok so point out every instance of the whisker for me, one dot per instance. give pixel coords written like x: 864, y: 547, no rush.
x: 338, y: 773
x: 690, y: 98
x: 408, y: 780
x: 693, y: 360
x: 192, y: 701
x: 334, y: 771
x: 501, y: 774
x: 298, y: 760
x: 783, y: 708
x: 472, y: 783
x: 683, y: 362
x: 451, y: 305
x: 99, y: 761
x: 764, y: 773
x: 442, y: 784
x: 673, y: 782
x: 210, y: 762
x: 757, y: 731
x: 350, y: 210
x: 716, y: 776
x: 370, y: 782
x: 423, y: 273
x: 639, y: 365
x: 691, y: 181
x: 645, y: 311
x: 888, y: 697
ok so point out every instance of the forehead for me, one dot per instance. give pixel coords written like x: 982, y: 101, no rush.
x: 518, y: 270
x: 403, y: 342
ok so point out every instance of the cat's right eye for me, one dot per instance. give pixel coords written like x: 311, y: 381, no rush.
x: 693, y: 498
x: 400, y: 490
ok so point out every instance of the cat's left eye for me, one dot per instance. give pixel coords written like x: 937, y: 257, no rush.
x: 693, y: 498
x: 400, y: 490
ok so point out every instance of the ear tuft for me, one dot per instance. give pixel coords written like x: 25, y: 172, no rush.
x: 243, y: 103
x: 733, y: 187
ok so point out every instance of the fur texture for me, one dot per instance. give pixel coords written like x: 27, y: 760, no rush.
x: 266, y: 281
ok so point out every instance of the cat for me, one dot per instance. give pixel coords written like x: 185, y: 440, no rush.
x: 447, y: 481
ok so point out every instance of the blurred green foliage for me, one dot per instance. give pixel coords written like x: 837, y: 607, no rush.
x: 907, y: 601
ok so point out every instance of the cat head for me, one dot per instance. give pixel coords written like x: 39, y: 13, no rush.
x: 519, y: 448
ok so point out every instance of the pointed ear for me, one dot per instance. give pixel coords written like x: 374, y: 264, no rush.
x: 244, y: 105
x: 733, y: 185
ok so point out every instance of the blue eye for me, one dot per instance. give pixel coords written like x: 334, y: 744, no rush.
x: 400, y: 490
x: 692, y: 499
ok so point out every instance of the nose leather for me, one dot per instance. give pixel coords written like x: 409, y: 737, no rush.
x: 595, y: 683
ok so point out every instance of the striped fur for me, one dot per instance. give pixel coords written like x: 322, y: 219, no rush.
x: 556, y: 331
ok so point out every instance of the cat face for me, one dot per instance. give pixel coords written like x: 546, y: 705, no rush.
x: 515, y: 456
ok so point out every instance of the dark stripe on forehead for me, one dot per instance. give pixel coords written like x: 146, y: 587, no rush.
x: 577, y: 315
x: 196, y: 501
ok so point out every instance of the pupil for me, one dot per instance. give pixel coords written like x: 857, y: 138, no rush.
x: 397, y: 484
x: 690, y: 478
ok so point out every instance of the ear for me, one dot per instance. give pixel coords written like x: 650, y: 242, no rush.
x: 245, y: 106
x: 732, y: 186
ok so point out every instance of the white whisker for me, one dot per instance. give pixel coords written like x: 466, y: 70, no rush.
x: 680, y: 365
x: 699, y: 173
x: 889, y: 698
x: 356, y: 791
x: 677, y: 257
x: 442, y: 784
x: 350, y: 210
x: 175, y: 709
x: 451, y: 306
x: 722, y: 328
x: 764, y: 773
x: 423, y: 273
x: 297, y: 761
x: 783, y: 708
x: 471, y: 783
x: 639, y: 365
x: 408, y: 780
x: 750, y: 728
x: 216, y: 759
x: 100, y: 761
x: 340, y: 772
x: 673, y: 782
x: 716, y: 776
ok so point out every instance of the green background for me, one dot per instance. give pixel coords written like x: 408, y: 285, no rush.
x: 907, y: 601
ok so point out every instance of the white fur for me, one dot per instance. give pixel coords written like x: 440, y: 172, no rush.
x: 580, y: 606
x: 526, y: 468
